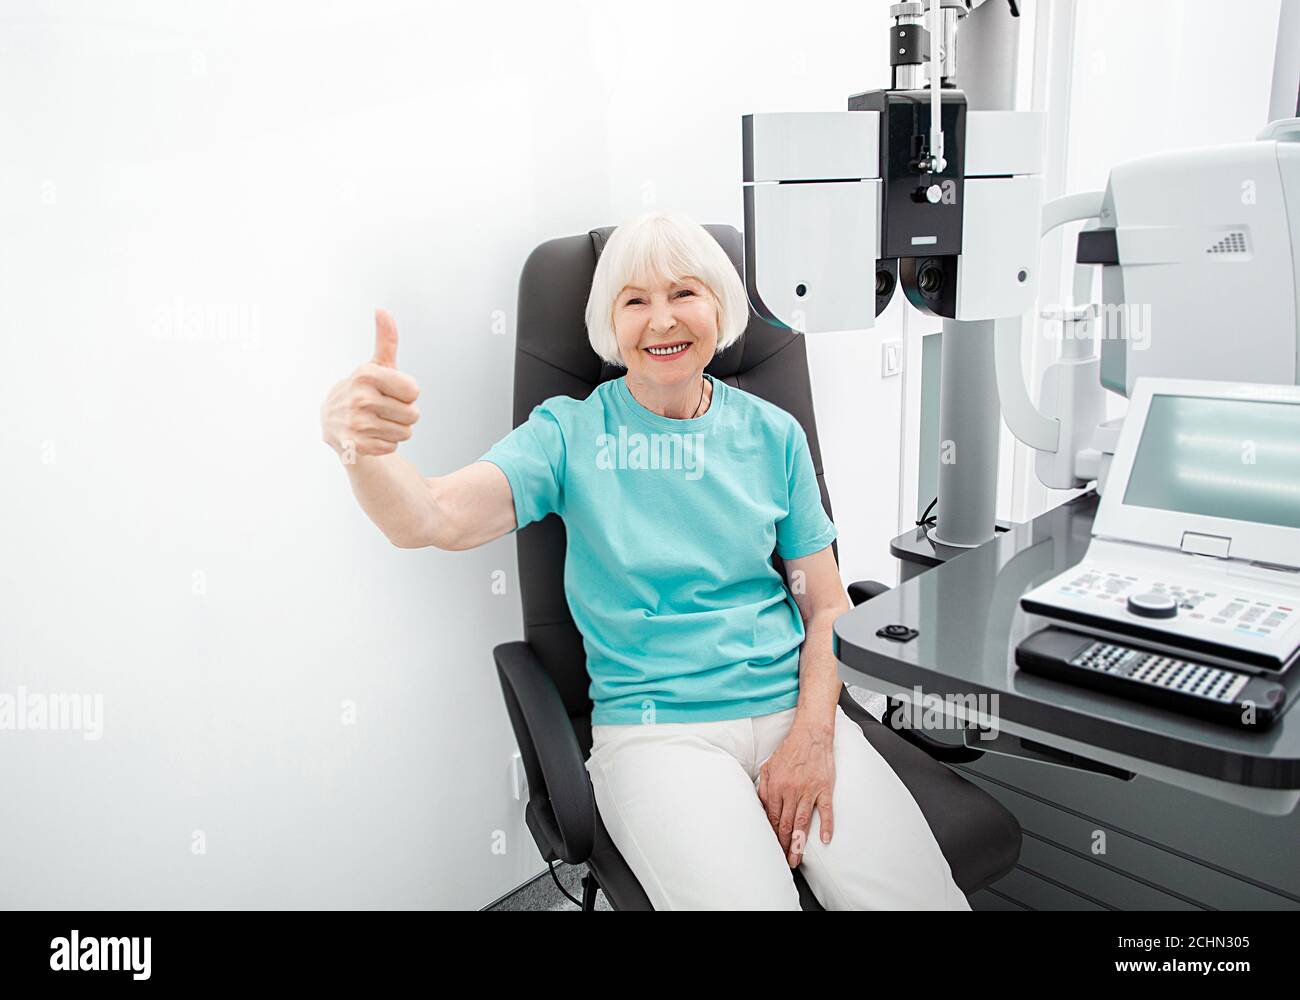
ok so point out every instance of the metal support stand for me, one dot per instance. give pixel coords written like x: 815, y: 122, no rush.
x: 969, y: 420
x: 969, y: 414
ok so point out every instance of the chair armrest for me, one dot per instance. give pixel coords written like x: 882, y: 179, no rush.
x: 949, y: 753
x: 865, y: 590
x: 561, y: 811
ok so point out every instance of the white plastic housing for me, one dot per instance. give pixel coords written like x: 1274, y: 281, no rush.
x: 812, y: 218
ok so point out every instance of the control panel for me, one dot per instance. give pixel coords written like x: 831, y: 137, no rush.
x: 1214, y: 615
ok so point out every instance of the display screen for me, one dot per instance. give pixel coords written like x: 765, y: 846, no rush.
x: 1233, y: 458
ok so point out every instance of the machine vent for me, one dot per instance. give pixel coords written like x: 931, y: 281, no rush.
x: 1232, y: 243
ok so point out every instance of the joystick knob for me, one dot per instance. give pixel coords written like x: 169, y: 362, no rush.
x: 1153, y: 605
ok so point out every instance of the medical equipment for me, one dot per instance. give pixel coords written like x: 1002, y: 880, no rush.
x: 1199, y: 252
x: 1181, y: 685
x: 939, y: 190
x: 946, y: 204
x: 1196, y: 547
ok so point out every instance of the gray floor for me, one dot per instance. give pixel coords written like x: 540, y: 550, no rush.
x: 541, y: 893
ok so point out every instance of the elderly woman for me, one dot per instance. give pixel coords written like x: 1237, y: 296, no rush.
x: 720, y: 757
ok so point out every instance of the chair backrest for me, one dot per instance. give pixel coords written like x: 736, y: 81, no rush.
x: 553, y: 357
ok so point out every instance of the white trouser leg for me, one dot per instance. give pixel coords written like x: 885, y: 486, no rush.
x: 882, y: 855
x: 679, y: 802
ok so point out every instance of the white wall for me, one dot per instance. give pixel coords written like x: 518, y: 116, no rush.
x: 1146, y: 77
x: 200, y: 205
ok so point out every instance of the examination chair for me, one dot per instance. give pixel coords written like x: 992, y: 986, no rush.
x: 544, y: 678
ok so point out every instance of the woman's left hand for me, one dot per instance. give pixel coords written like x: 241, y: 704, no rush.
x: 794, y: 781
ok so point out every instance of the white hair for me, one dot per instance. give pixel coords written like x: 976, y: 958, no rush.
x: 663, y: 246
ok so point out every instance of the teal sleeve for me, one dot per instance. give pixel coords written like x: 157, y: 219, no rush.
x: 805, y: 529
x: 532, y: 457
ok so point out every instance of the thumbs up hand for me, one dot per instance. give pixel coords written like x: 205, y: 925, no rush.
x: 372, y: 410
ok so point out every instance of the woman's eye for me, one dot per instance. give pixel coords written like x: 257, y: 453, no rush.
x: 686, y: 291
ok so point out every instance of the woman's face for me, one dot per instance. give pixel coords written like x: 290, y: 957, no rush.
x: 682, y: 315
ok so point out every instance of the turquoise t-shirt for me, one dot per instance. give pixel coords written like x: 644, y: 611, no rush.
x: 671, y: 526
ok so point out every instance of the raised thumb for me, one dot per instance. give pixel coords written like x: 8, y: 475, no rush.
x: 385, y: 340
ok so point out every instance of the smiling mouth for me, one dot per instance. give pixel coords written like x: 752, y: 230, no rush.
x: 668, y: 350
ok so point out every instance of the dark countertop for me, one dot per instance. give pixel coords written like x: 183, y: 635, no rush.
x: 969, y: 618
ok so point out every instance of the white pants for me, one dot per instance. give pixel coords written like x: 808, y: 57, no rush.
x: 680, y: 801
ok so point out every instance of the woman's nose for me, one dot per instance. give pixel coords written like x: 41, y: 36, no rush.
x: 662, y: 318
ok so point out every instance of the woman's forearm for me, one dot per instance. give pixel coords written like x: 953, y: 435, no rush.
x: 396, y: 497
x: 819, y: 676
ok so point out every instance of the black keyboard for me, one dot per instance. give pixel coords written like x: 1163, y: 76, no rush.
x: 1201, y: 689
